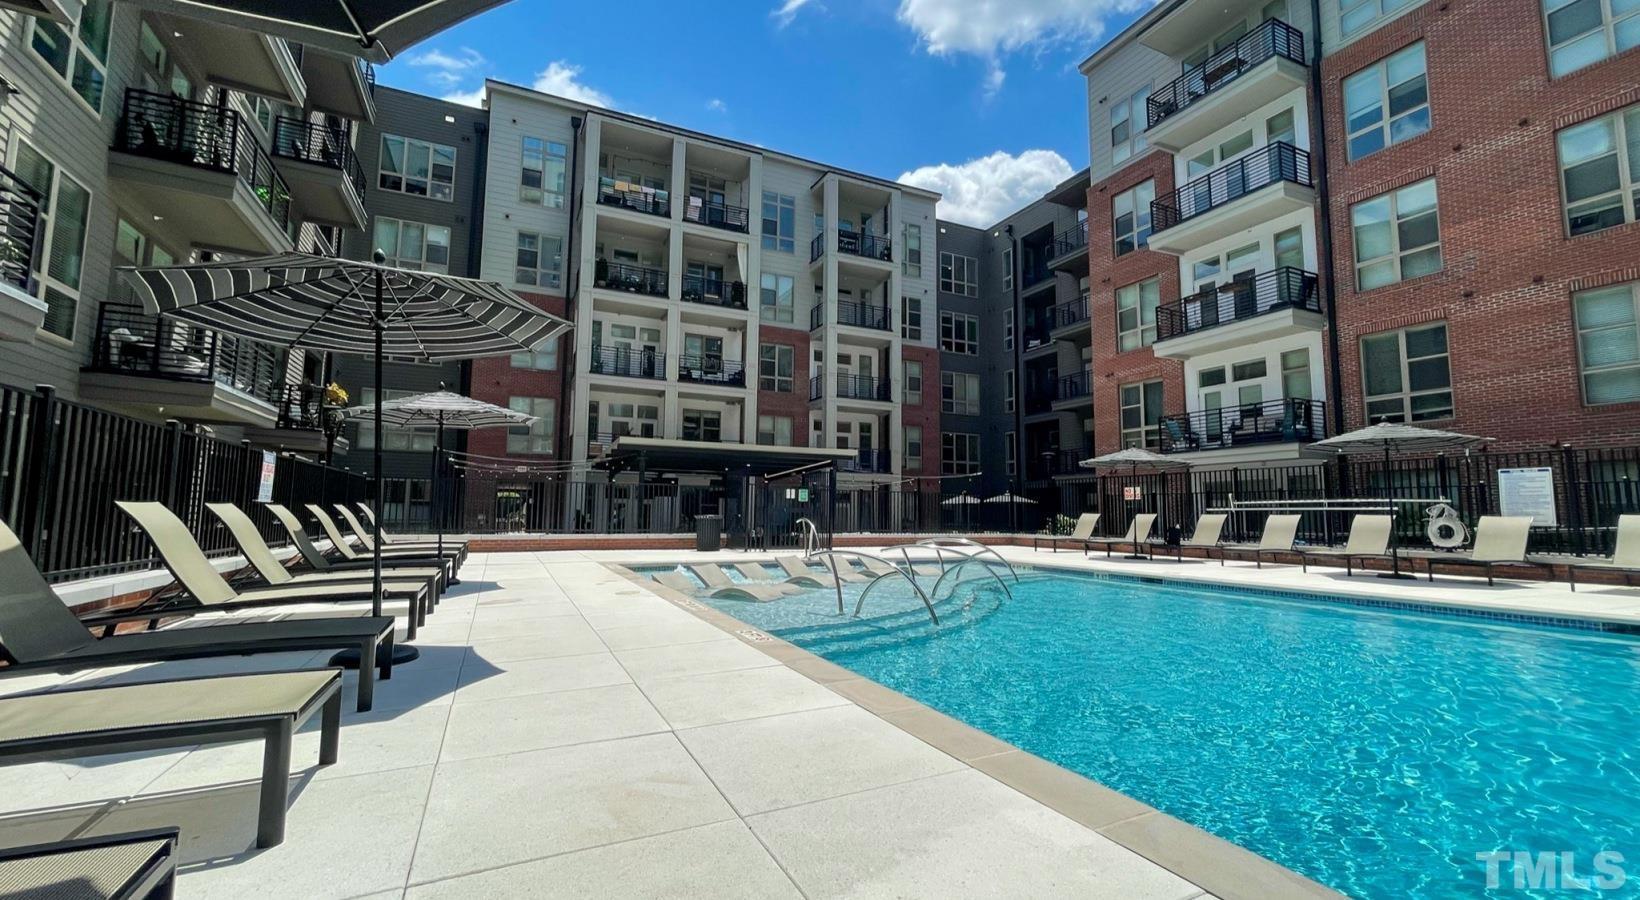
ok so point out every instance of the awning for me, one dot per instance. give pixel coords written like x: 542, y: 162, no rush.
x: 662, y: 455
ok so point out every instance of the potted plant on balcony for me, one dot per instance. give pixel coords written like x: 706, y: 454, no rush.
x: 332, y: 402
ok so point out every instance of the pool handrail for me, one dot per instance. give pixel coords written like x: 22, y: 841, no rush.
x: 965, y: 542
x: 935, y: 544
x: 831, y: 560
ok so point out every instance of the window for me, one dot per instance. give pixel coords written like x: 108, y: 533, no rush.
x: 959, y: 393
x: 1008, y: 329
x: 534, y: 438
x: 776, y: 302
x: 774, y: 367
x: 418, y: 168
x: 1130, y: 214
x: 1397, y: 236
x: 65, y: 209
x: 913, y: 383
x: 959, y: 274
x: 702, y: 425
x: 1608, y: 343
x: 1295, y: 374
x: 1127, y: 125
x: 1583, y: 32
x: 79, y: 55
x: 913, y: 446
x: 398, y: 437
x: 542, y: 178
x: 1136, y: 314
x: 1387, y: 102
x: 542, y: 359
x: 774, y: 431
x: 1289, y: 247
x: 1010, y: 452
x: 959, y: 333
x: 779, y: 223
x: 911, y: 318
x: 1406, y: 375
x: 1007, y: 269
x: 1355, y: 15
x: 1008, y: 391
x: 1141, y: 414
x: 540, y: 260
x: 1600, y: 171
x: 911, y: 266
x: 959, y: 453
x: 413, y: 245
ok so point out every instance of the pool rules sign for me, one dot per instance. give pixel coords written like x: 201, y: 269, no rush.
x: 1528, y: 492
x: 270, y: 464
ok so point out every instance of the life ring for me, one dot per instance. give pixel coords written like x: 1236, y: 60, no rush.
x: 1445, y: 529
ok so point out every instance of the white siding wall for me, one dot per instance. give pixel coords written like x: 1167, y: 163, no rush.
x: 511, y: 120
x: 1115, y: 80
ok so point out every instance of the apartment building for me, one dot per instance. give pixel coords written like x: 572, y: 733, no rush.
x: 131, y: 136
x: 721, y: 293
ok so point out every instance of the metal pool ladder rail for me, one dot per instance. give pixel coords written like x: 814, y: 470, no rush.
x: 831, y: 557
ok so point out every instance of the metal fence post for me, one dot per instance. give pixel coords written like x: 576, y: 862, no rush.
x: 170, y: 482
x: 39, y: 457
x: 1574, y: 498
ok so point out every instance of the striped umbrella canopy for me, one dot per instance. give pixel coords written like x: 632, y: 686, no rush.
x: 1134, y: 459
x: 445, y: 409
x: 1394, y: 437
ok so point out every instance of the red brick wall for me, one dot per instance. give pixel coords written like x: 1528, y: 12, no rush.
x: 1509, y: 270
x: 495, y: 380
x: 1111, y: 369
x: 926, y: 414
x: 793, y: 403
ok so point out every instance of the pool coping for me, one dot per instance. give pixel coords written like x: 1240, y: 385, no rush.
x: 1220, y: 867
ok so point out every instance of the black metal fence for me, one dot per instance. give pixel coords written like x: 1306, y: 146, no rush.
x: 1230, y: 182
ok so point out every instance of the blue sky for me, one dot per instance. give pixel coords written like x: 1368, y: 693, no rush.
x: 979, y: 99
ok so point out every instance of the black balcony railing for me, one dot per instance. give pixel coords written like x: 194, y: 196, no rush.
x: 625, y: 277
x: 1035, y: 274
x: 1230, y: 182
x: 1035, y: 335
x: 712, y: 370
x: 1284, y: 288
x: 19, y: 231
x: 633, y: 362
x: 862, y: 315
x: 311, y: 142
x: 131, y: 342
x: 717, y: 215
x: 626, y: 195
x: 713, y: 291
x: 1040, y: 393
x: 1066, y: 315
x: 870, y: 246
x: 1070, y: 241
x: 1271, y: 39
x: 302, y: 407
x: 867, y: 460
x: 160, y: 126
x: 1074, y: 387
x: 851, y: 387
x: 1051, y: 462
x: 1269, y: 422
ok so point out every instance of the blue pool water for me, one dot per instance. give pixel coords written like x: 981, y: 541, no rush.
x: 1375, y: 751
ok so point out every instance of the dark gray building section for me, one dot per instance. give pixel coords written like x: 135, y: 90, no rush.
x: 991, y: 363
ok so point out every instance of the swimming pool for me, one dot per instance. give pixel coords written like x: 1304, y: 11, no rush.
x: 1375, y: 751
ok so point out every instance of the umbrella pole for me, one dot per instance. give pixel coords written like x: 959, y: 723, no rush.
x: 433, y: 501
x: 1394, y: 543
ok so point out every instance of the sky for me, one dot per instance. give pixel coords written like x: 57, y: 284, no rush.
x: 977, y: 99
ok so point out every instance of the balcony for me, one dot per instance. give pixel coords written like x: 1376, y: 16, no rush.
x: 21, y: 313
x: 1260, y: 67
x: 221, y: 54
x: 1072, y: 316
x: 301, y: 421
x: 857, y: 244
x: 200, y: 168
x: 1051, y: 463
x: 324, y: 175
x: 1269, y: 182
x: 1036, y: 337
x: 144, y: 364
x: 629, y: 278
x: 869, y: 461
x: 626, y: 195
x: 713, y: 292
x: 717, y: 215
x: 853, y: 313
x: 1270, y: 305
x: 847, y: 386
x: 340, y: 85
x: 713, y: 370
x: 1035, y: 277
x: 1289, y: 421
x: 1073, y: 388
x: 629, y: 362
x: 1069, y: 251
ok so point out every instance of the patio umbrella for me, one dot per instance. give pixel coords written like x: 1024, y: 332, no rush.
x: 343, y: 306
x: 1009, y: 498
x: 1135, y: 460
x: 377, y: 30
x: 1394, y: 437
x: 959, y: 500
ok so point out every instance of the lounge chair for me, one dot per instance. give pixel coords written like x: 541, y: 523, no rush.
x: 344, y: 548
x: 1499, y: 541
x: 319, y: 562
x: 426, y: 548
x: 721, y: 585
x: 448, y: 542
x: 1369, y: 539
x: 1280, y: 532
x: 1625, y: 556
x: 798, y: 572
x: 92, y: 721
x: 1137, y: 536
x: 37, y: 632
x: 208, y: 591
x: 1205, y: 538
x: 1080, y: 533
x: 261, y: 557
x: 799, y: 569
x: 135, y: 865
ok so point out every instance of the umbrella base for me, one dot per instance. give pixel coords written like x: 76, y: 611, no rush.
x: 1399, y: 576
x: 1135, y: 556
x: 349, y: 659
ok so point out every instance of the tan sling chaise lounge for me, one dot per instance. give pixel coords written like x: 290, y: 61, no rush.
x: 319, y: 562
x: 134, y: 865
x: 1080, y: 534
x: 274, y: 573
x: 1625, y: 556
x: 1369, y: 539
x: 1137, y: 536
x: 345, y: 549
x: 1279, y: 535
x: 1206, y: 537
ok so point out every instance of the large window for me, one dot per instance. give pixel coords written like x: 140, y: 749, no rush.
x: 78, y: 54
x: 1008, y: 382
x: 418, y: 168
x: 1397, y: 236
x: 1141, y: 414
x: 542, y: 359
x: 1136, y: 314
x: 913, y: 383
x: 702, y: 425
x: 1128, y: 119
x: 959, y: 333
x: 1387, y: 102
x: 774, y: 367
x: 775, y: 303
x: 536, y: 437
x: 1582, y: 32
x: 1130, y: 217
x: 959, y: 393
x: 1407, y: 375
x: 959, y: 453
x: 65, y: 209
x: 911, y: 318
x: 779, y: 222
x: 911, y: 266
x: 542, y: 178
x: 540, y: 260
x: 959, y: 274
x: 1354, y: 15
x: 413, y: 245
x: 913, y: 446
x: 1600, y: 171
x: 774, y: 431
x: 1608, y: 343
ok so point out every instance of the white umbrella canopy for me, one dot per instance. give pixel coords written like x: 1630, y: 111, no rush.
x: 443, y: 408
x: 959, y: 500
x: 1135, y: 458
x: 1394, y: 437
x: 1008, y: 497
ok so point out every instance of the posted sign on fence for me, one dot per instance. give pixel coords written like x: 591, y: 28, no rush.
x: 270, y: 464
x: 1528, y: 492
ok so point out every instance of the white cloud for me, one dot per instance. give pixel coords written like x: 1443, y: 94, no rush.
x: 787, y: 11
x: 717, y: 106
x: 981, y: 191
x: 987, y: 29
x: 474, y: 97
x: 463, y: 59
x: 563, y: 79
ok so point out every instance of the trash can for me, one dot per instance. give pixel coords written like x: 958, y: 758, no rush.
x: 708, y: 533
